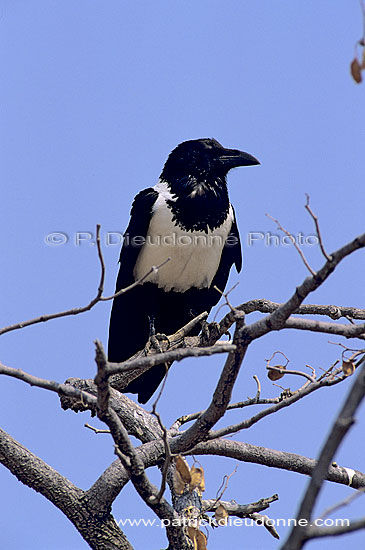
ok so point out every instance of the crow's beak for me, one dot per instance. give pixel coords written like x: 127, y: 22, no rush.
x: 232, y: 158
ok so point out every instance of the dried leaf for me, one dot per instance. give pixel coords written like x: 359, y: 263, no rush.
x: 363, y: 59
x: 348, y: 368
x: 183, y: 468
x: 198, y: 538
x: 192, y: 531
x: 197, y: 480
x: 221, y: 515
x: 201, y: 540
x: 275, y: 374
x: 179, y: 484
x: 355, y: 68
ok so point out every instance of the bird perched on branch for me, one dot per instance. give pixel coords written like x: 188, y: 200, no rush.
x: 188, y: 218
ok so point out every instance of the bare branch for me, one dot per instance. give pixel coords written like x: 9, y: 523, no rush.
x: 222, y: 393
x: 299, y: 394
x: 130, y: 459
x: 245, y: 335
x: 122, y: 373
x: 96, y: 430
x: 347, y: 331
x: 339, y: 429
x: 245, y: 511
x: 315, y: 219
x: 240, y: 405
x: 335, y: 530
x: 61, y: 389
x: 224, y: 485
x: 267, y: 306
x: 287, y: 371
x: 137, y: 421
x: 292, y: 462
x: 239, y: 510
x: 98, y: 298
x: 166, y: 356
x: 277, y: 319
x: 36, y: 474
x: 300, y: 252
x: 345, y: 502
x: 112, y: 481
x: 168, y: 454
x: 139, y: 281
x: 267, y: 523
x: 73, y: 311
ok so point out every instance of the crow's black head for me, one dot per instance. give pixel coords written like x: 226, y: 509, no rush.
x: 195, y: 173
x: 203, y: 160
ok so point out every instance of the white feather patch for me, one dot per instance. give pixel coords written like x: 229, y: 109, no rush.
x: 194, y: 255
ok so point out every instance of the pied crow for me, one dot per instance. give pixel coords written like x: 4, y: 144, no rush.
x: 188, y: 218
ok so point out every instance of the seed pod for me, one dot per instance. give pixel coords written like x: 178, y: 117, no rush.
x: 197, y: 480
x: 221, y: 515
x: 183, y: 468
x: 355, y: 68
x: 275, y: 374
x: 348, y: 368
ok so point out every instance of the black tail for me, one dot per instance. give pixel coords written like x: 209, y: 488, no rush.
x: 146, y: 384
x: 129, y: 328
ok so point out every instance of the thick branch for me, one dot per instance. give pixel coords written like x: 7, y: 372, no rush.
x: 339, y: 429
x: 245, y: 335
x: 267, y: 306
x: 101, y: 533
x: 245, y: 452
x: 222, y: 393
x: 348, y: 331
x: 62, y: 389
x: 239, y: 510
x: 115, y: 477
x: 131, y: 460
x: 122, y: 373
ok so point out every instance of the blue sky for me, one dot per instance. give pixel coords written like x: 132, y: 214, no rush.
x: 94, y: 96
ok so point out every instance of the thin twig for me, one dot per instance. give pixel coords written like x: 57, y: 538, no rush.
x: 362, y: 7
x: 239, y: 405
x: 258, y: 392
x: 96, y: 430
x: 294, y: 243
x: 275, y: 353
x: 139, y: 281
x: 168, y: 454
x: 345, y: 502
x: 328, y: 371
x: 98, y: 298
x: 225, y: 296
x: 280, y: 404
x: 315, y: 219
x: 298, y: 372
x: 223, y: 487
x: 61, y: 389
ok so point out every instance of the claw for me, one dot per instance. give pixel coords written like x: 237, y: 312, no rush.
x: 163, y: 338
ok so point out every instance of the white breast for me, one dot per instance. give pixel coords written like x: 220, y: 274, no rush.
x: 194, y: 255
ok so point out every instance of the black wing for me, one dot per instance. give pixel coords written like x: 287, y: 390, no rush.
x: 231, y: 254
x: 141, y: 213
x: 126, y: 335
